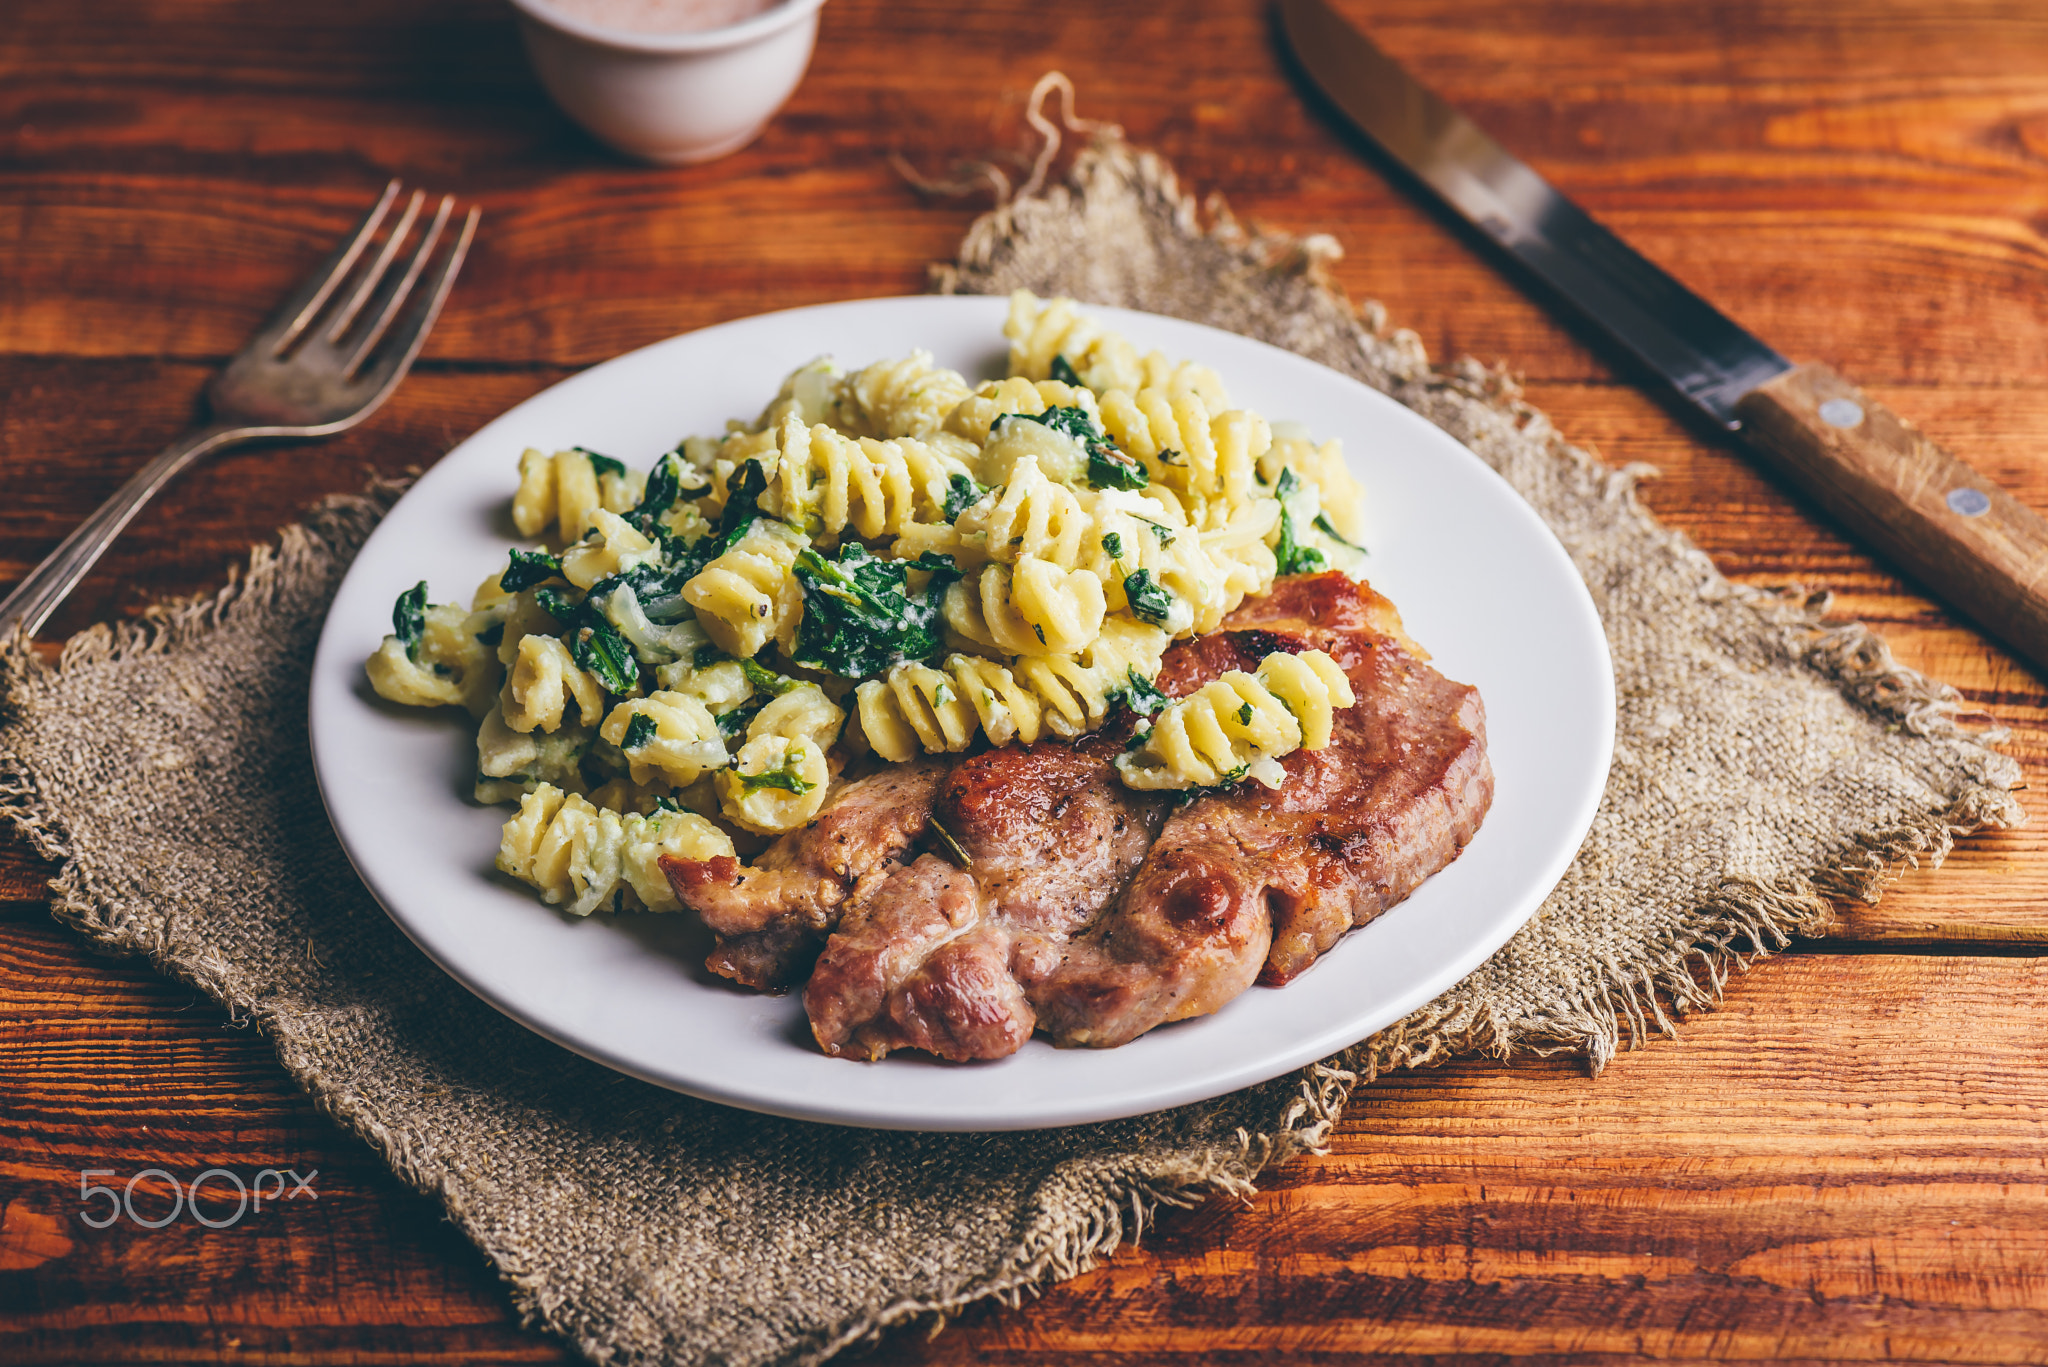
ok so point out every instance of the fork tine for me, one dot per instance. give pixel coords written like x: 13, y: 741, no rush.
x: 372, y: 277
x: 392, y: 296
x: 411, y: 333
x: 305, y: 303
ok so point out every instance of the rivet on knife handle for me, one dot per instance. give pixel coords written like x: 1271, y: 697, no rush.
x: 1959, y: 534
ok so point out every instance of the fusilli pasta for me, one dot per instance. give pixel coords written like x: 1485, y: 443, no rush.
x: 829, y: 482
x: 452, y: 662
x: 748, y: 597
x: 563, y: 490
x: 677, y: 741
x: 543, y: 680
x: 780, y: 777
x: 1240, y: 725
x: 1041, y: 331
x: 610, y: 548
x: 905, y: 398
x: 1031, y: 607
x: 584, y: 858
x: 917, y: 707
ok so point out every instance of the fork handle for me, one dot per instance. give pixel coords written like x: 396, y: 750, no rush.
x: 36, y: 597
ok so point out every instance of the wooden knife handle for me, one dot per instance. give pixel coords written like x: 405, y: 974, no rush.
x: 1975, y: 546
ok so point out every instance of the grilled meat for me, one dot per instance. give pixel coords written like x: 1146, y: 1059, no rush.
x: 771, y: 916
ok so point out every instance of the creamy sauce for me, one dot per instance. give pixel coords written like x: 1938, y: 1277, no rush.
x: 662, y: 16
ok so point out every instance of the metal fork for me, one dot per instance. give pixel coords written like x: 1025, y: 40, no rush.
x: 310, y: 372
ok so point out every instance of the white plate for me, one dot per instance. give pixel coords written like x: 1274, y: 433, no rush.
x: 1478, y: 578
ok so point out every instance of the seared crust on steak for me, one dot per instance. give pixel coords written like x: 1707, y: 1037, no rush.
x: 939, y: 958
x: 1051, y: 831
x: 772, y: 915
x: 919, y: 966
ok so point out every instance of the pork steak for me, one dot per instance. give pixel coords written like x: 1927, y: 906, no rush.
x: 1082, y: 908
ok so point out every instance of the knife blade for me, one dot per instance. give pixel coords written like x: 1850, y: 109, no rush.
x: 1952, y: 529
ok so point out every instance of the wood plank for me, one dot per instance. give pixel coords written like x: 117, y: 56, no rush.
x: 105, y: 1065
x: 1790, y: 1180
x: 1901, y: 188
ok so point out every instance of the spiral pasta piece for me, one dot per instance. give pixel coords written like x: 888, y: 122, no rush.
x: 1240, y: 725
x: 1114, y: 534
x: 451, y: 665
x: 543, y: 680
x: 977, y: 413
x: 1186, y: 445
x: 616, y: 547
x: 1338, y: 495
x: 780, y: 778
x: 1312, y: 686
x: 810, y: 392
x: 916, y: 707
x: 1031, y: 607
x: 563, y: 490
x: 909, y: 397
x: 509, y: 763
x: 677, y: 743
x: 1042, y: 330
x: 1030, y: 514
x: 748, y: 596
x: 584, y: 858
x: 826, y: 480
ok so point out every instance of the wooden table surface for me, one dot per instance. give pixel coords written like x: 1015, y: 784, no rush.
x: 1847, y: 1161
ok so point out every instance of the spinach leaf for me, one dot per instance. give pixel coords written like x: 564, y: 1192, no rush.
x: 1108, y: 468
x: 409, y: 619
x: 1160, y: 533
x: 558, y: 605
x: 1075, y: 422
x: 669, y: 480
x: 743, y: 489
x: 783, y: 776
x: 598, y: 647
x: 1290, y: 556
x: 1064, y: 373
x: 1150, y: 602
x: 1323, y: 526
x: 529, y: 568
x: 639, y: 731
x: 1138, y: 694
x: 767, y: 681
x: 859, y: 618
x: 594, y: 643
x: 1112, y: 545
x: 657, y: 587
x: 603, y: 465
x: 735, y: 721
x: 962, y: 493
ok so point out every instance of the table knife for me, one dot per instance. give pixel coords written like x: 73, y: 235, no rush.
x: 1951, y: 529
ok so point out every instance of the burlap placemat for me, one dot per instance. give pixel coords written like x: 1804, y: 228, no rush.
x: 1764, y: 760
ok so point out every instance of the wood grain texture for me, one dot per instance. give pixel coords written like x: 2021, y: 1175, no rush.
x: 1842, y: 1164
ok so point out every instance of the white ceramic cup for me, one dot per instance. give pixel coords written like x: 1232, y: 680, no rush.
x: 671, y: 98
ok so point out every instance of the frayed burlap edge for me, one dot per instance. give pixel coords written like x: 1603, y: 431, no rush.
x: 318, y: 548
